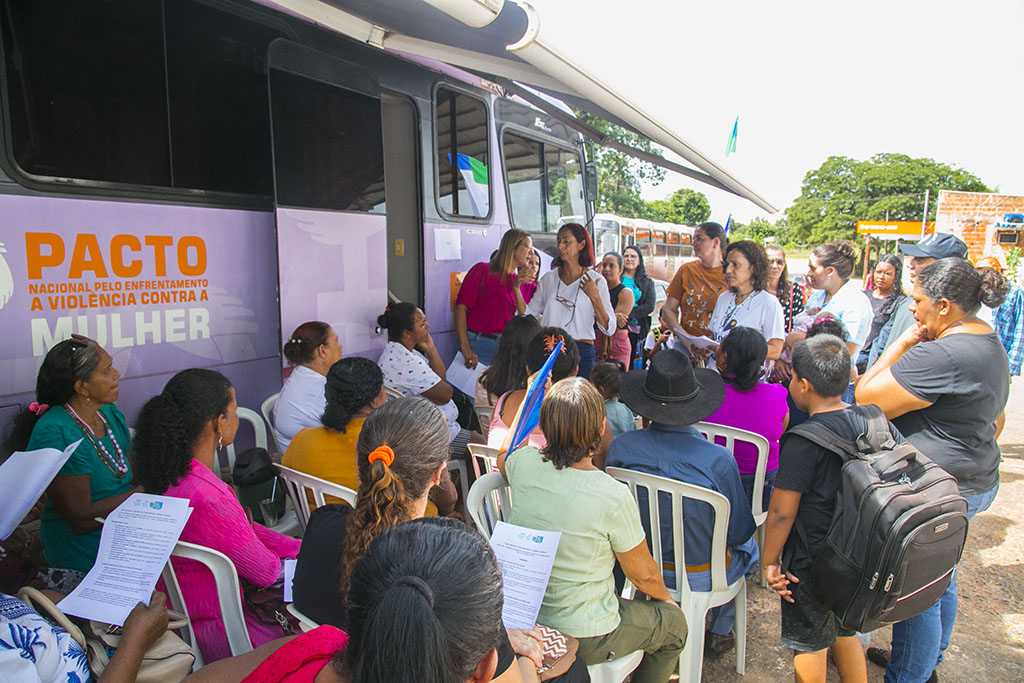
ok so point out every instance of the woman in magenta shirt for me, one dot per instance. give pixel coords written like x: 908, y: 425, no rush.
x: 490, y: 295
x: 751, y: 404
x: 178, y: 434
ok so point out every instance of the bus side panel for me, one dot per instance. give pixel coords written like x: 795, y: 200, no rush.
x: 160, y: 287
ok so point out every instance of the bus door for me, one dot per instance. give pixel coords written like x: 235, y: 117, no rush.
x: 329, y: 194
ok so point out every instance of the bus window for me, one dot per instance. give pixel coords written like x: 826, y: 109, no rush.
x: 217, y: 85
x: 545, y: 183
x: 462, y: 155
x: 85, y: 89
x: 329, y: 151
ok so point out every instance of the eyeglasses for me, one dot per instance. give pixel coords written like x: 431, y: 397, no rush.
x: 571, y: 305
x: 777, y: 261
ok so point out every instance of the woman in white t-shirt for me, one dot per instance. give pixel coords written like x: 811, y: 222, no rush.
x: 747, y: 304
x: 410, y: 361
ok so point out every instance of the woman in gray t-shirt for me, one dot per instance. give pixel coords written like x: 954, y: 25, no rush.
x: 944, y: 383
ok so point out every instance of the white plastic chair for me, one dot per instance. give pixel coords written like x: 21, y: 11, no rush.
x: 297, y: 483
x: 268, y: 414
x: 459, y: 465
x: 485, y: 459
x: 485, y: 414
x: 731, y: 436
x: 695, y: 604
x: 305, y: 623
x: 616, y: 670
x: 259, y: 429
x: 488, y: 502
x: 392, y: 392
x: 229, y: 596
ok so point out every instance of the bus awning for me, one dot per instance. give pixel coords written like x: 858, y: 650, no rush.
x: 504, y: 40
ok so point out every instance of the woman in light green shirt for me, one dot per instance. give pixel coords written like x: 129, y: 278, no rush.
x: 560, y: 489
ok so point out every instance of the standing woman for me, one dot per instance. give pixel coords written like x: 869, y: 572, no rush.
x: 490, y: 295
x: 311, y: 350
x: 617, y: 346
x: 76, y: 389
x: 634, y: 276
x: 886, y: 295
x: 944, y: 383
x: 746, y: 303
x: 789, y: 294
x: 574, y: 298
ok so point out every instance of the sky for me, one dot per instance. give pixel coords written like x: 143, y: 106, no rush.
x: 938, y: 79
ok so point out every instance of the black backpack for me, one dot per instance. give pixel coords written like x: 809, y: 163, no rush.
x: 898, y: 531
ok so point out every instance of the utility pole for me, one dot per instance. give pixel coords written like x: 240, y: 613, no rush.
x: 924, y: 216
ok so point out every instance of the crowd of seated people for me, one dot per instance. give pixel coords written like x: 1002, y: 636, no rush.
x: 401, y: 596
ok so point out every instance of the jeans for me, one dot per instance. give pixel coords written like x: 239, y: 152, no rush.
x: 918, y: 642
x: 769, y: 484
x: 483, y: 347
x: 587, y: 358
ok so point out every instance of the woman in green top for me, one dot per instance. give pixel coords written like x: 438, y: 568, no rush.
x: 560, y: 489
x: 75, y: 393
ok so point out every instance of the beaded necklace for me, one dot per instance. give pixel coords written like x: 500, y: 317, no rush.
x: 118, y: 466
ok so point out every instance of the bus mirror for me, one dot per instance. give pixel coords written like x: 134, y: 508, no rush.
x: 591, y: 175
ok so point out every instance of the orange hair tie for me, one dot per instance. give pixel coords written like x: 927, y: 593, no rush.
x: 550, y: 340
x: 382, y: 453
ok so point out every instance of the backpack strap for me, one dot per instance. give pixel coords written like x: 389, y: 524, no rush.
x: 821, y: 435
x: 878, y: 437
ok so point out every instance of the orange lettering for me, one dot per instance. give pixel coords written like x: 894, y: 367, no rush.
x: 121, y: 269
x: 35, y: 259
x: 86, y: 256
x: 184, y: 266
x: 159, y: 244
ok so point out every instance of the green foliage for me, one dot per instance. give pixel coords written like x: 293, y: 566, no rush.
x: 843, y: 191
x: 1013, y: 264
x: 619, y: 175
x: 761, y: 230
x: 684, y: 207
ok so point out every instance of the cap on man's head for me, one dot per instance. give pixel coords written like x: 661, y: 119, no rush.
x: 936, y: 245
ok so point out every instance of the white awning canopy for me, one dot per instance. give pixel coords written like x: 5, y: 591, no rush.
x: 504, y: 40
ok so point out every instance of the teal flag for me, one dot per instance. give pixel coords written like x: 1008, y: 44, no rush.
x: 731, y: 147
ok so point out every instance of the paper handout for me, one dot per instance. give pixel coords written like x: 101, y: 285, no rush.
x: 289, y: 578
x: 698, y: 342
x: 461, y: 377
x: 525, y: 557
x: 137, y: 539
x: 23, y: 478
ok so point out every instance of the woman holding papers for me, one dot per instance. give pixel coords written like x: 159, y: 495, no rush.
x: 178, y: 435
x: 746, y: 303
x: 560, y: 489
x: 574, y: 297
x: 76, y: 389
x: 490, y: 295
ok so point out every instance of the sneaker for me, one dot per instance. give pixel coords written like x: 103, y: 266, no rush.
x: 716, y: 645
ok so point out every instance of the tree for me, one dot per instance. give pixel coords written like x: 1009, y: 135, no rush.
x: 618, y: 174
x: 685, y: 207
x: 843, y: 191
x: 760, y: 230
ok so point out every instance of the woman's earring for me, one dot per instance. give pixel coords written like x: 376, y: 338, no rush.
x: 220, y: 441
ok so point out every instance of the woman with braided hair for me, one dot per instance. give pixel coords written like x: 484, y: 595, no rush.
x: 177, y: 436
x: 354, y: 389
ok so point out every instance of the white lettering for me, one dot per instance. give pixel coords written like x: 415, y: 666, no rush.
x: 117, y: 338
x: 198, y: 323
x: 174, y: 324
x: 42, y: 340
x: 142, y: 328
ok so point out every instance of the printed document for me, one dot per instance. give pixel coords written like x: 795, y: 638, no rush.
x: 525, y: 557
x: 697, y: 342
x: 23, y: 478
x: 137, y: 539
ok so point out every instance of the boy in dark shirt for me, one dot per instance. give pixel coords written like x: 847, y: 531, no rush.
x: 805, y: 492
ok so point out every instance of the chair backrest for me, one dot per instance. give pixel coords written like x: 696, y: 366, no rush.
x: 268, y: 414
x: 713, y: 432
x: 259, y: 430
x: 392, y: 392
x: 297, y: 483
x: 229, y: 596
x: 486, y: 414
x: 488, y: 502
x: 677, y: 490
x: 485, y: 459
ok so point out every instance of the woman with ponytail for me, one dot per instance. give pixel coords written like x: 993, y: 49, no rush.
x: 751, y: 404
x: 177, y: 437
x: 76, y: 389
x: 424, y: 607
x: 355, y: 388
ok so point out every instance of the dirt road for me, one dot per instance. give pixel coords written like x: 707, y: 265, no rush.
x: 988, y: 643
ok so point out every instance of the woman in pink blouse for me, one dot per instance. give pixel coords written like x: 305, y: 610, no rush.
x: 175, y: 451
x: 491, y: 294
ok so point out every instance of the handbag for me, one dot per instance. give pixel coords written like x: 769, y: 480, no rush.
x: 268, y: 606
x: 559, y: 650
x: 168, y: 659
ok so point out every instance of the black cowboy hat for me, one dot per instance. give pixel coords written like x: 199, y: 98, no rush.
x: 672, y: 392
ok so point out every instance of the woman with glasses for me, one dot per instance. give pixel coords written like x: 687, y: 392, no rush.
x: 574, y: 297
x: 76, y: 389
x: 789, y: 294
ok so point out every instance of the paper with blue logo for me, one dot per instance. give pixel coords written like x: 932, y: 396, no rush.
x: 136, y: 541
x: 525, y: 557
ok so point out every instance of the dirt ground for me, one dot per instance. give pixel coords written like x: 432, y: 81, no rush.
x: 988, y: 643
